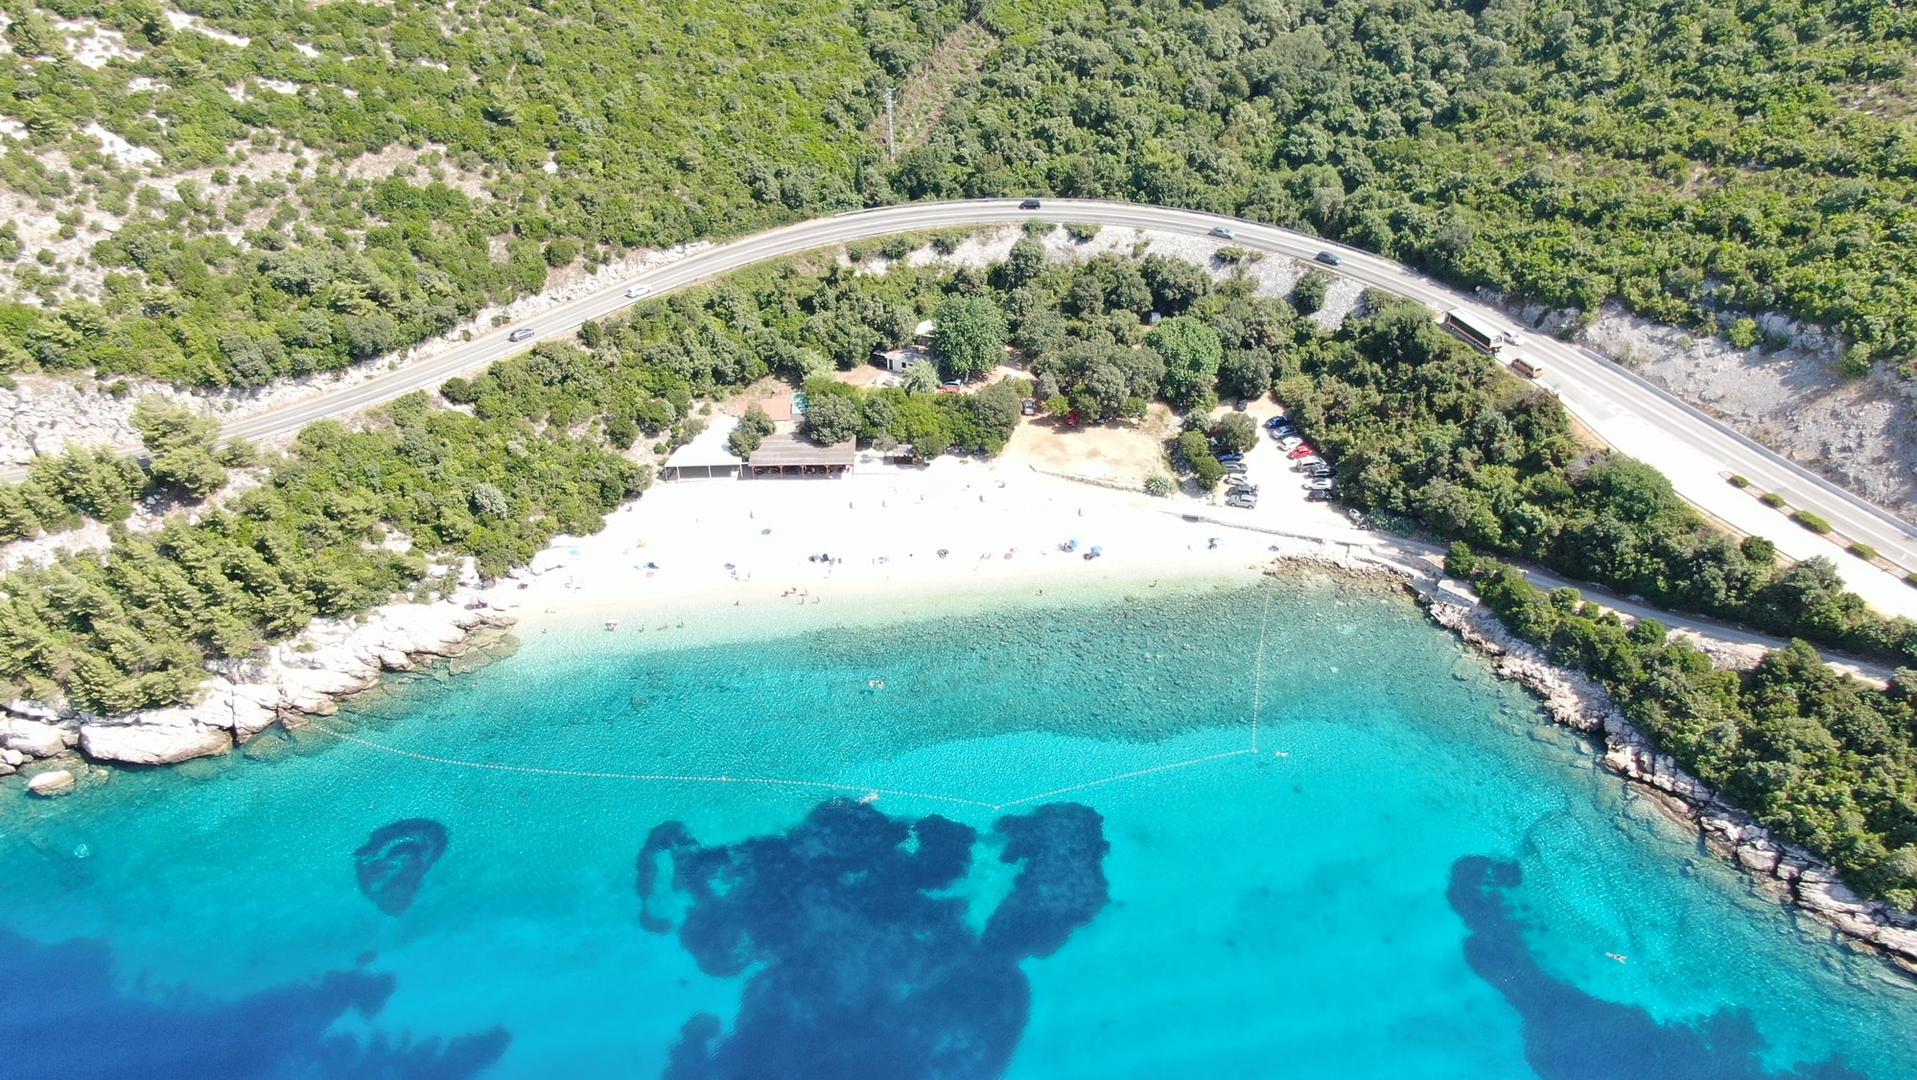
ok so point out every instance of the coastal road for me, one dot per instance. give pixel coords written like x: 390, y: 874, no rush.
x: 1693, y: 449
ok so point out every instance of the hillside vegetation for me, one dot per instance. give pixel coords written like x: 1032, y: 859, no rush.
x: 319, y: 184
x: 233, y: 193
x: 1699, y: 160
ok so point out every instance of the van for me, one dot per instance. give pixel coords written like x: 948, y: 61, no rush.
x: 1525, y: 367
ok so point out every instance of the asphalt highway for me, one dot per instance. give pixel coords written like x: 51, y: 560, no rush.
x: 1696, y: 451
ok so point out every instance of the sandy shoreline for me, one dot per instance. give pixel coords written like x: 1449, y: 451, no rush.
x: 947, y: 528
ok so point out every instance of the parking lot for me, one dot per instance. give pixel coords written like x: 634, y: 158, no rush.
x: 1282, y: 501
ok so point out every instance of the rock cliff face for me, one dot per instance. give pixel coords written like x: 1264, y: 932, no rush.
x: 1579, y: 703
x: 299, y: 678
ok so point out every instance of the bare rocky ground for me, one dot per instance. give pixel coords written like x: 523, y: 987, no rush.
x: 1860, y: 433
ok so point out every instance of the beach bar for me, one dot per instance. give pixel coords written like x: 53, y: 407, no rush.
x: 786, y: 454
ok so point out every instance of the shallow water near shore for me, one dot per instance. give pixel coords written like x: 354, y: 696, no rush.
x: 644, y: 854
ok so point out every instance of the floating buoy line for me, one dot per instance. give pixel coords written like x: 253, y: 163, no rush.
x: 866, y: 793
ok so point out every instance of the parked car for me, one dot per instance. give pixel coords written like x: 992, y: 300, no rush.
x: 1243, y: 502
x: 1329, y: 258
x: 1301, y: 450
x: 1231, y: 458
x: 1320, y: 471
x: 520, y: 334
x: 1288, y: 443
x: 1320, y: 485
x: 1308, y: 461
x: 1277, y: 422
x: 634, y: 292
x: 1028, y: 204
x: 1222, y: 233
x: 1243, y: 489
x: 1318, y: 495
x: 1029, y: 407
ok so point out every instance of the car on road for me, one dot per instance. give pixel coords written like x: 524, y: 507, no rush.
x: 1302, y: 450
x: 1243, y: 502
x: 1329, y: 258
x: 634, y: 292
x: 1028, y: 204
x: 1222, y: 233
x: 520, y: 334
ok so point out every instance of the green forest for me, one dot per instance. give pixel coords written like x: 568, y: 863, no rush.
x: 1699, y: 161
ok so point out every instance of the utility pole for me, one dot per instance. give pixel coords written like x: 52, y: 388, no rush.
x: 891, y: 137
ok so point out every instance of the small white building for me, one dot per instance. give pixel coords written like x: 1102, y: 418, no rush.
x: 707, y: 456
x: 897, y: 360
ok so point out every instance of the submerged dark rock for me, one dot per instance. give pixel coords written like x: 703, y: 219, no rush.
x: 392, y: 864
x: 1570, y: 1035
x: 69, y: 1005
x: 861, y: 968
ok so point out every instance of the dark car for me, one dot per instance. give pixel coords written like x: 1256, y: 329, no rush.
x: 1028, y: 204
x: 1029, y: 407
x: 1277, y: 422
x: 1318, y: 496
x: 1329, y: 258
x: 1230, y: 459
x: 1322, y: 472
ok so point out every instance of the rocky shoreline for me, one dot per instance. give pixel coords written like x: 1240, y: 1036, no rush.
x: 1791, y: 874
x: 303, y: 677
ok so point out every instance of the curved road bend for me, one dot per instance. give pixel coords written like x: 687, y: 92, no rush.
x: 1694, y: 450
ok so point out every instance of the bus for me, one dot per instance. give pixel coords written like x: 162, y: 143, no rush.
x: 1477, y: 332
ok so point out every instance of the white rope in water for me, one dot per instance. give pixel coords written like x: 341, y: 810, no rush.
x: 1257, y: 701
x: 644, y: 778
x: 1121, y: 776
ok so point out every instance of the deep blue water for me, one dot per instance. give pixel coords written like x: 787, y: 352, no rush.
x: 1413, y: 875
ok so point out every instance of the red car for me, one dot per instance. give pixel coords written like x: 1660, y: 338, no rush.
x: 1302, y: 451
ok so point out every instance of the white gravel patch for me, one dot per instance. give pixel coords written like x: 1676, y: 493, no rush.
x: 180, y: 20
x: 92, y: 45
x: 120, y: 150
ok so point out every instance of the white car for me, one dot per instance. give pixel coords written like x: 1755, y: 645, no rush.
x: 1290, y: 443
x: 637, y: 291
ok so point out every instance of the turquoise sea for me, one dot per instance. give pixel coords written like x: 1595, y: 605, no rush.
x: 1413, y: 875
